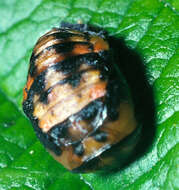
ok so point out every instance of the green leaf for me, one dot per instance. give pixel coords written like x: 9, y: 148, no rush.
x: 149, y: 27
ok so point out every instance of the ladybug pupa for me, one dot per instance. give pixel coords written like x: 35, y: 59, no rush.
x: 78, y: 101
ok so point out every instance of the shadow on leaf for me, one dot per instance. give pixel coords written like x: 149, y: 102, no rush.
x: 132, y: 67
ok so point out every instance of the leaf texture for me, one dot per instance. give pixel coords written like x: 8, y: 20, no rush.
x: 148, y: 27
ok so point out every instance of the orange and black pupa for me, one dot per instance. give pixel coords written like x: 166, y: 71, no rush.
x: 78, y: 101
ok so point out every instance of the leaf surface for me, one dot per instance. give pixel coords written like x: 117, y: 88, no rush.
x: 149, y: 27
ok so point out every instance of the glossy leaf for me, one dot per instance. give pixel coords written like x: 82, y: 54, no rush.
x: 148, y: 27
